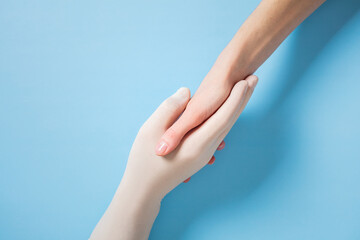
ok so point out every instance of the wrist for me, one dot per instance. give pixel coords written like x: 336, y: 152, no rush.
x: 137, y: 197
x: 130, y: 215
x: 234, y: 63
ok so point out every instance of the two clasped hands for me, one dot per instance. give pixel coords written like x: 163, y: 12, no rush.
x: 177, y: 140
x: 182, y: 135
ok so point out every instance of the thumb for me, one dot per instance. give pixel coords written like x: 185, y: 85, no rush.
x: 170, y: 109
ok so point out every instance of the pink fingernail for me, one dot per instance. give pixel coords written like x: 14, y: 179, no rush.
x: 221, y: 146
x: 187, y: 180
x: 212, y: 160
x: 161, y: 148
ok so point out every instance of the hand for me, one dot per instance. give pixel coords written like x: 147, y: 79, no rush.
x: 254, y: 42
x: 148, y: 177
x: 163, y: 173
x: 212, y: 92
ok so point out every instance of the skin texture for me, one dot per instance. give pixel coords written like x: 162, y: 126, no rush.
x: 149, y: 177
x: 260, y: 35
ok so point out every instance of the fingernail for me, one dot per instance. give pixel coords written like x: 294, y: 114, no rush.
x: 161, y: 148
x: 221, y: 146
x: 212, y: 160
x: 187, y: 180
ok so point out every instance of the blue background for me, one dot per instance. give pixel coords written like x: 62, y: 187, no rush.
x: 78, y: 78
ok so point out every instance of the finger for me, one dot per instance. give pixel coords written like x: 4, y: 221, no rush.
x: 216, y: 124
x: 191, y: 118
x: 252, y: 82
x: 212, y: 160
x: 170, y: 109
x: 221, y: 145
x: 202, y: 105
x: 173, y: 135
x: 222, y: 120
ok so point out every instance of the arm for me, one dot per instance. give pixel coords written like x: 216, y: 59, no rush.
x: 148, y: 177
x: 130, y: 215
x: 259, y: 36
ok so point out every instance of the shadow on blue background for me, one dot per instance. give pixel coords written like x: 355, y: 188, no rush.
x: 234, y: 177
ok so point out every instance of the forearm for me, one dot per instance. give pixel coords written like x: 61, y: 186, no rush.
x: 260, y: 35
x: 130, y: 215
